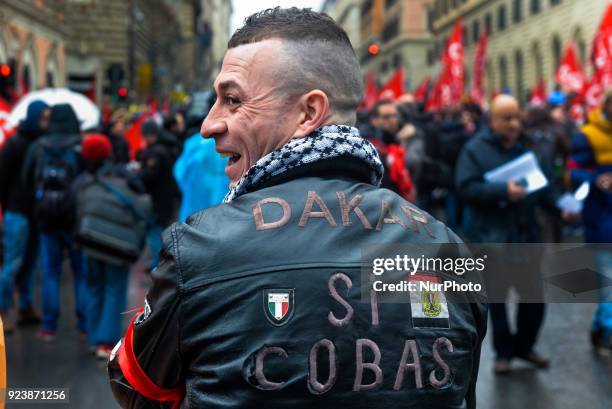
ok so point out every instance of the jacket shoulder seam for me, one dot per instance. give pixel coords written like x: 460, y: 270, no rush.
x: 176, y: 251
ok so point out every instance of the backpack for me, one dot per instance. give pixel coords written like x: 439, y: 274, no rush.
x: 112, y: 219
x: 57, y: 167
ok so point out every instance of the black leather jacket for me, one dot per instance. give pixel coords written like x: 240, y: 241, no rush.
x: 257, y: 304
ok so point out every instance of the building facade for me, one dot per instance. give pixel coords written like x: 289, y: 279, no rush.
x: 152, y: 48
x: 127, y: 43
x: 527, y: 38
x: 33, y: 40
x: 397, y: 28
x: 214, y: 34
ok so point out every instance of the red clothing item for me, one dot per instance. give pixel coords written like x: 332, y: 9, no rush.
x: 398, y: 172
x: 138, y: 379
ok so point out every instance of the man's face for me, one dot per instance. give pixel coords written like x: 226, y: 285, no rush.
x: 118, y: 128
x: 43, y: 122
x: 506, y: 122
x: 387, y: 118
x: 251, y: 116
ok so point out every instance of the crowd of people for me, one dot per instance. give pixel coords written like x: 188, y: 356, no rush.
x: 56, y: 183
x: 87, y: 197
x: 441, y: 165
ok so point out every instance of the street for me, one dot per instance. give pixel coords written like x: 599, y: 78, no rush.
x: 577, y: 377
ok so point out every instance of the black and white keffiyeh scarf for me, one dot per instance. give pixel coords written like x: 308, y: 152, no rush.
x: 327, y: 142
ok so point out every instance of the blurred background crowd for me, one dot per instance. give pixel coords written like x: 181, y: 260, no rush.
x: 98, y: 156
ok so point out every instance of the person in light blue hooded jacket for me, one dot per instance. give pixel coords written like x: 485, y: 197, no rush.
x: 199, y: 172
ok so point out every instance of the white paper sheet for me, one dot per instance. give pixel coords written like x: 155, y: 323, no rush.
x: 524, y: 170
x: 573, y: 203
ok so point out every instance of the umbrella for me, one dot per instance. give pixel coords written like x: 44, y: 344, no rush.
x: 87, y: 112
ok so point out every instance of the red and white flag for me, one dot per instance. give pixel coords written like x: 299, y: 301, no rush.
x: 569, y: 74
x: 394, y: 88
x: 453, y: 60
x: 601, y: 58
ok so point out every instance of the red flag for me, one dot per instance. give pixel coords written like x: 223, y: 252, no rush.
x: 441, y: 95
x: 394, y: 88
x: 420, y: 93
x: 538, y: 93
x: 576, y: 109
x: 371, y: 92
x: 453, y: 60
x: 152, y: 105
x: 133, y: 135
x: 593, y: 93
x: 480, y: 58
x: 602, y: 61
x: 433, y: 102
x: 448, y: 94
x: 569, y: 74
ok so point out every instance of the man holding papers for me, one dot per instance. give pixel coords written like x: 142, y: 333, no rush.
x: 502, y: 184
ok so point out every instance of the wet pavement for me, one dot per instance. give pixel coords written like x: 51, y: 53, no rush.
x: 577, y: 378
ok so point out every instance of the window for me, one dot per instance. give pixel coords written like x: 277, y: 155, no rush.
x: 501, y: 18
x: 490, y: 77
x: 519, y: 67
x: 384, y: 67
x: 580, y: 44
x: 475, y: 31
x: 430, y: 57
x: 535, y: 6
x: 397, y: 61
x: 390, y: 31
x: 503, y: 73
x: 555, y: 2
x: 365, y: 9
x: 517, y: 11
x: 538, y: 63
x: 556, y: 52
x: 488, y: 24
x: 466, y: 37
x: 390, y: 3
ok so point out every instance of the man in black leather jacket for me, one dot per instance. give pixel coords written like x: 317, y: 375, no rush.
x: 257, y: 302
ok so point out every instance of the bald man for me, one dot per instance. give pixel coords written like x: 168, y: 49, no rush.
x: 504, y: 213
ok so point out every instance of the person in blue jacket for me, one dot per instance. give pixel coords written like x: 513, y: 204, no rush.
x: 200, y: 174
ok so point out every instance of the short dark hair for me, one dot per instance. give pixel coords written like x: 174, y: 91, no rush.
x: 291, y: 24
x: 318, y: 55
x: 375, y: 110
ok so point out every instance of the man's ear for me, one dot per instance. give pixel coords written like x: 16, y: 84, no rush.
x: 314, y: 110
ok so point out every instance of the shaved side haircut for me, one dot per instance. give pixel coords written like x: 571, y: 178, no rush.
x: 316, y: 54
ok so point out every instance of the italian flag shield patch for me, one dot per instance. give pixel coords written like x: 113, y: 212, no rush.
x: 278, y: 305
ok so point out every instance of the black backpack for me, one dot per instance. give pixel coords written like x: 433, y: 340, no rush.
x: 112, y: 219
x: 56, y: 169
